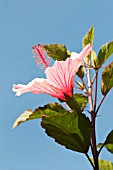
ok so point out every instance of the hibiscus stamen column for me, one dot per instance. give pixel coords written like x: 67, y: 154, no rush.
x: 40, y: 55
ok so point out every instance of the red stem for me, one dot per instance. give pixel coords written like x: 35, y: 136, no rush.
x: 93, y: 136
x: 100, y: 104
x: 93, y: 117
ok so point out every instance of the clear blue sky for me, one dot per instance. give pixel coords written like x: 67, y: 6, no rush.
x: 24, y: 23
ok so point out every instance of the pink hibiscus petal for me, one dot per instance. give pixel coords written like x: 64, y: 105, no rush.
x: 86, y: 50
x: 37, y: 86
x: 61, y: 75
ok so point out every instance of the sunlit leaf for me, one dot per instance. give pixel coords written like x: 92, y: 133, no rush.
x: 57, y: 51
x: 51, y: 109
x: 107, y: 79
x: 71, y: 130
x: 109, y: 147
x: 105, y: 165
x: 88, y: 38
x: 105, y: 52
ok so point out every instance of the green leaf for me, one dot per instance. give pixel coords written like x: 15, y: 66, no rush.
x: 57, y: 51
x: 108, y: 144
x: 80, y: 72
x: 88, y: 38
x: 71, y: 130
x: 105, y: 52
x: 109, y: 147
x: 107, y: 79
x: 51, y: 109
x: 105, y: 165
x: 77, y: 103
x: 81, y: 99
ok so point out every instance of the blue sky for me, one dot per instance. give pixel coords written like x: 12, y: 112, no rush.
x: 23, y: 24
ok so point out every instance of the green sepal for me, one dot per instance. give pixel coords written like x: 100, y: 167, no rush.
x: 81, y: 86
x: 107, y: 79
x: 71, y: 130
x: 57, y: 51
x: 108, y: 144
x: 73, y: 104
x: 80, y: 72
x: 105, y: 52
x: 51, y: 109
x: 81, y: 99
x: 94, y: 59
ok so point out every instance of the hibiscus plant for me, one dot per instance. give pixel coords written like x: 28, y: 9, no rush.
x: 73, y: 124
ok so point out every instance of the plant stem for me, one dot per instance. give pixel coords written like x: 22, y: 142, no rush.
x: 100, y: 104
x: 90, y: 160
x: 93, y: 136
x: 95, y: 97
x: 101, y: 149
x: 93, y: 79
x: 84, y: 85
x: 93, y: 117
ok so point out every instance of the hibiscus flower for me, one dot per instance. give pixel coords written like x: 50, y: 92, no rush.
x: 60, y: 77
